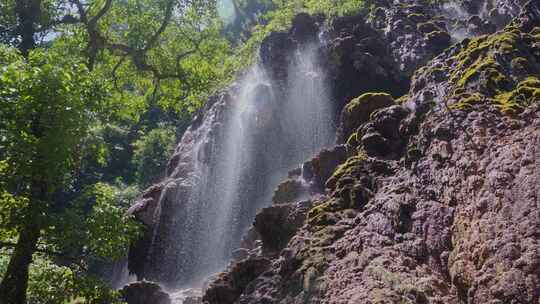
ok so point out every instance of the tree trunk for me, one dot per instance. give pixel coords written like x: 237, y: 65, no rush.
x: 15, y: 281
x: 28, y: 13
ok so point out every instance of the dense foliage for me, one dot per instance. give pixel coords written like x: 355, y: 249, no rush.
x: 86, y: 89
x: 48, y: 104
x: 152, y: 152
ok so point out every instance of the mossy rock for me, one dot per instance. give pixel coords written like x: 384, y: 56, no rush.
x: 349, y: 168
x: 288, y: 191
x: 526, y: 92
x: 427, y: 27
x: 359, y: 110
x: 478, y: 53
x: 323, y: 214
x: 498, y: 69
x: 466, y: 100
x: 536, y: 32
x: 520, y: 64
x: 353, y: 140
x: 402, y: 99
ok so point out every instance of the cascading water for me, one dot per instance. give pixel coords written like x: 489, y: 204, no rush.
x: 264, y: 129
x: 308, y: 110
x: 215, y: 205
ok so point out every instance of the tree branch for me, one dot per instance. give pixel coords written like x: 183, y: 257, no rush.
x: 67, y: 19
x: 163, y: 26
x: 93, y: 22
x: 97, y: 41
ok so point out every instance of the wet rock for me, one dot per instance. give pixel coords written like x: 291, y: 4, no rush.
x: 304, y: 28
x: 240, y: 254
x: 250, y: 238
x: 358, y: 111
x: 274, y: 54
x: 324, y: 164
x: 438, y: 40
x: 277, y: 224
x: 187, y: 296
x: 193, y: 300
x: 144, y: 210
x: 382, y: 136
x: 530, y: 16
x: 228, y: 286
x: 144, y: 292
x: 289, y: 191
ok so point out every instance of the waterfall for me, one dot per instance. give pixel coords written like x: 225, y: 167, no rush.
x: 218, y: 202
x: 308, y: 110
x: 244, y: 147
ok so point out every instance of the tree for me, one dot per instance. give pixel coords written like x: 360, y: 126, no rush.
x: 171, y: 49
x: 47, y: 106
x: 79, y: 64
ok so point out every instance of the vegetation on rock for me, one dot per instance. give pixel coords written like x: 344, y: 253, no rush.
x: 484, y: 63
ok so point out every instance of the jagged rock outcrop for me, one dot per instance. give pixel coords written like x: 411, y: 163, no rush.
x: 229, y: 285
x: 144, y: 292
x: 437, y: 201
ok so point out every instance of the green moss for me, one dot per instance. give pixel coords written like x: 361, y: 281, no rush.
x: 525, y: 93
x: 473, y: 72
x: 353, y: 140
x: 369, y: 100
x: 358, y: 111
x: 322, y: 214
x: 466, y: 100
x: 349, y: 168
x: 477, y: 54
x: 482, y: 65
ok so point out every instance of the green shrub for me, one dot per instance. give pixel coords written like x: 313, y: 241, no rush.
x: 151, y: 154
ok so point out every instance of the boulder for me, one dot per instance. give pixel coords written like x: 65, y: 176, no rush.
x: 228, y: 286
x: 144, y: 292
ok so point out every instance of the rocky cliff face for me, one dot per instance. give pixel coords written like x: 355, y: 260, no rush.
x: 434, y: 201
x: 428, y: 198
